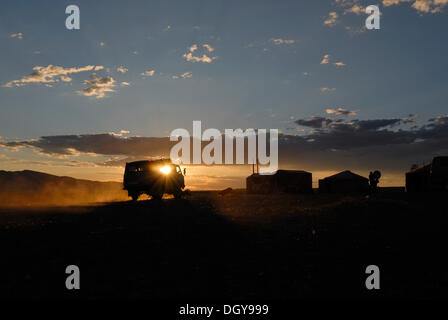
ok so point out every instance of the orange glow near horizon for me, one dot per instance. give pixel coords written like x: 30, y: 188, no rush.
x: 198, y: 177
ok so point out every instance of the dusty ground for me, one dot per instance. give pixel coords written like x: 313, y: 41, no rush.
x: 235, y: 246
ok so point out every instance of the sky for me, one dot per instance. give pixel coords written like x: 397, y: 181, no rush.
x: 83, y: 102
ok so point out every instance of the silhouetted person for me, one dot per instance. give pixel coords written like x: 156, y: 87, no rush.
x: 374, y: 179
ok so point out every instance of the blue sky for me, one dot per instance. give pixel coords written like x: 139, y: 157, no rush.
x: 266, y: 69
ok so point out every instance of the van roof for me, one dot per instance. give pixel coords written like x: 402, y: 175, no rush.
x: 145, y: 162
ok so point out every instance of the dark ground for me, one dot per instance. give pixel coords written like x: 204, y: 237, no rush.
x: 233, y: 247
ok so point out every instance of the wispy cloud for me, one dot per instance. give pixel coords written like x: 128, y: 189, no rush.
x: 50, y: 74
x: 351, y: 7
x: 18, y: 35
x: 339, y: 64
x: 279, y: 41
x: 421, y: 6
x: 341, y: 111
x: 356, y: 9
x: 204, y: 58
x: 324, y: 143
x: 208, y: 47
x: 122, y: 69
x: 193, y: 48
x: 98, y: 86
x: 191, y: 58
x: 332, y: 19
x: 148, y: 73
x: 185, y: 75
x: 325, y: 89
x: 119, y: 134
x: 325, y: 59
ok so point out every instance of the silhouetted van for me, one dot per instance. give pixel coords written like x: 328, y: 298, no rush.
x: 429, y: 177
x: 153, y: 178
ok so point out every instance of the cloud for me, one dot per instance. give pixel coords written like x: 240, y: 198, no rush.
x: 208, y: 47
x: 98, y: 86
x: 66, y: 79
x: 191, y: 58
x: 193, y: 48
x: 332, y: 19
x: 185, y: 75
x: 315, y: 122
x: 356, y: 9
x: 280, y: 41
x: 330, y: 144
x: 440, y: 120
x: 388, y: 3
x: 365, y: 144
x: 325, y: 59
x: 325, y: 89
x: 125, y: 84
x: 352, y: 126
x: 204, y: 58
x: 18, y: 35
x: 100, y: 144
x: 120, y: 134
x: 122, y: 69
x: 352, y: 7
x: 346, y: 3
x: 148, y: 73
x: 341, y: 111
x: 421, y: 6
x: 424, y: 6
x: 339, y: 64
x: 50, y: 74
x: 102, y: 44
x: 354, y: 147
x: 410, y: 119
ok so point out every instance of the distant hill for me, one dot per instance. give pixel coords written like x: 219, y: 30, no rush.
x: 36, y: 188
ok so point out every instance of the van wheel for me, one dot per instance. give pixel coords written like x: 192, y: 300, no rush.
x: 157, y: 196
x: 178, y: 194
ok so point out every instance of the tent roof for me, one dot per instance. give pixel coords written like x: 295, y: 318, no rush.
x: 281, y: 172
x: 292, y: 171
x: 346, y: 175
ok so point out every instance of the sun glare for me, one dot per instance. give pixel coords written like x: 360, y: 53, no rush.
x: 165, y: 169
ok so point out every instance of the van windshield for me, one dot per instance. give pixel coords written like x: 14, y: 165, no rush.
x: 135, y: 168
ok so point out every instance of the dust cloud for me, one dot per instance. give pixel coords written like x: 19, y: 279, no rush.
x: 29, y: 188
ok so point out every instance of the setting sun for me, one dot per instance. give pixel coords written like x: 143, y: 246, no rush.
x: 165, y: 169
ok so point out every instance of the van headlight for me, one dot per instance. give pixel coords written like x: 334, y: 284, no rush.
x: 165, y: 169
